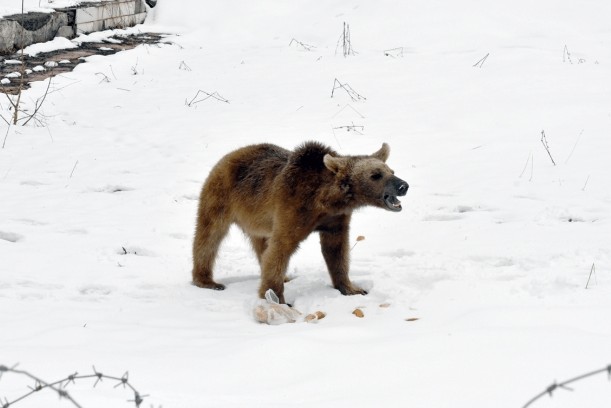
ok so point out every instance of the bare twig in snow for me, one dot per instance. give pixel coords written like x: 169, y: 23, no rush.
x: 6, y: 135
x: 394, y: 52
x: 183, y: 65
x: 73, y: 168
x: 526, y: 164
x: 354, y: 95
x: 352, y: 108
x: 345, y: 41
x: 352, y: 128
x: 586, y: 183
x: 305, y: 46
x: 480, y: 63
x: 566, y: 55
x: 104, y: 77
x: 592, y: 271
x: 207, y: 95
x: 544, y: 141
x: 39, y: 103
x: 574, y: 146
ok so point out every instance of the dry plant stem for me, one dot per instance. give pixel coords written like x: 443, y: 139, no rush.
x: 22, y: 77
x: 214, y: 95
x: 39, y: 103
x: 566, y: 55
x: 394, y: 52
x: 6, y: 135
x: 346, y: 42
x: 592, y: 271
x: 574, y: 146
x: 480, y: 63
x: 545, y: 145
x: 305, y: 46
x: 73, y: 168
x: 355, y: 96
x: 586, y: 183
x: 526, y: 164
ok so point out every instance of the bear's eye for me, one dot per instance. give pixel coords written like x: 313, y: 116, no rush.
x: 376, y: 176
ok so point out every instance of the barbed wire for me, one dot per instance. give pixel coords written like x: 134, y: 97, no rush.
x: 563, y: 385
x: 59, y: 386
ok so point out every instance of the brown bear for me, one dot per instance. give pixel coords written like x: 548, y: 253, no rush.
x: 278, y: 198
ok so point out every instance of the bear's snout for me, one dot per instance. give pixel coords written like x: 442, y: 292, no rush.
x: 397, y: 187
x: 394, y: 187
x: 402, y: 187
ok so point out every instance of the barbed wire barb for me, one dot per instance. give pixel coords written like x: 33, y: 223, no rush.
x: 123, y: 380
x: 563, y: 385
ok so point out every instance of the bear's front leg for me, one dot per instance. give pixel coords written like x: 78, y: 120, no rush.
x: 335, y: 249
x: 274, y: 262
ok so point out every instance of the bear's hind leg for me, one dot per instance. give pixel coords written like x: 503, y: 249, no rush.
x: 212, y: 226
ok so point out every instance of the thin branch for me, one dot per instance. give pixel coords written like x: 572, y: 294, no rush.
x: 6, y: 135
x: 394, y: 52
x: 183, y: 65
x: 480, y: 63
x: 354, y: 95
x: 566, y: 55
x: 305, y: 46
x: 352, y: 128
x: 39, y: 103
x: 592, y: 271
x: 526, y: 164
x: 104, y: 79
x: 586, y: 183
x: 544, y: 141
x: 346, y: 42
x: 73, y: 168
x: 214, y: 95
x: 574, y: 146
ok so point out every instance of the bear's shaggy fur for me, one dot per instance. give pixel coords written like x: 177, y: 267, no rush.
x: 278, y: 198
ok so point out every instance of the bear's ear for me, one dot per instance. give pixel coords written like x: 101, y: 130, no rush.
x: 383, y: 153
x: 335, y: 164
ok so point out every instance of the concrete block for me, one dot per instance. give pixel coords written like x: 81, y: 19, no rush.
x: 19, y: 31
x: 87, y: 15
x: 66, y: 31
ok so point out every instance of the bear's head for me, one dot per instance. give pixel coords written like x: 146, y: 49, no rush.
x: 368, y: 180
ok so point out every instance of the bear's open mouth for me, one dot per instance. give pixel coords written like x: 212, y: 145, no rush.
x: 392, y: 203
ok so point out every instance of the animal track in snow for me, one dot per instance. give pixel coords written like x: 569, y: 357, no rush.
x: 96, y: 290
x: 33, y: 183
x: 29, y: 221
x: 10, y: 236
x: 455, y: 213
x: 36, y: 285
x: 443, y: 217
x: 113, y: 188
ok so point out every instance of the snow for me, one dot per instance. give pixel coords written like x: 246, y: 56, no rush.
x: 58, y: 43
x: 10, y: 7
x: 492, y: 251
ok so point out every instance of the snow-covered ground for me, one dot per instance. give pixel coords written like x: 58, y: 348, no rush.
x: 9, y: 7
x: 491, y: 253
